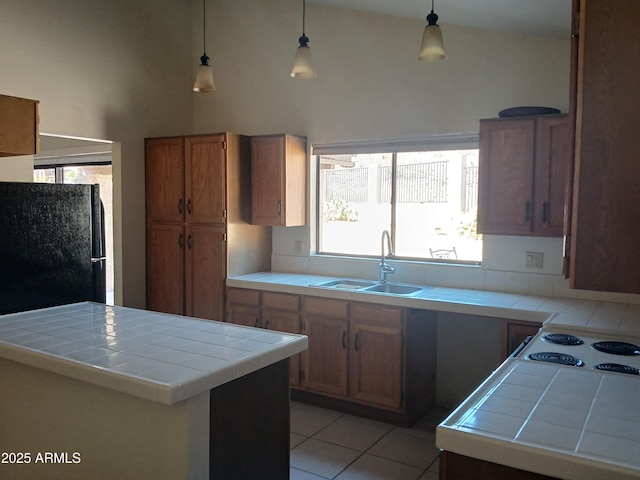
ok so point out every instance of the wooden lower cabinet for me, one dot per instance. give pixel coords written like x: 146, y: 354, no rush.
x: 165, y: 264
x: 369, y: 359
x: 281, y: 312
x: 459, y: 467
x: 243, y: 307
x: 188, y: 267
x: 325, y: 365
x: 514, y: 332
x: 205, y: 271
x: 376, y: 360
x: 270, y: 310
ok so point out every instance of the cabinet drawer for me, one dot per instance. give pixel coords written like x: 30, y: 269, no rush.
x: 391, y: 316
x: 281, y: 301
x: 242, y: 295
x: 326, y: 307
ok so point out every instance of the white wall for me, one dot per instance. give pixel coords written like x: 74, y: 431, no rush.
x: 116, y: 70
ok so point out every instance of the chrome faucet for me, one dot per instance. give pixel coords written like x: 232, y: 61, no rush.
x: 384, y: 267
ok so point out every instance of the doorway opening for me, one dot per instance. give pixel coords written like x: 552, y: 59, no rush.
x: 81, y: 161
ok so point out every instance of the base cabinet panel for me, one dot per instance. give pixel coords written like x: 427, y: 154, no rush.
x: 376, y: 362
x: 325, y: 361
x: 459, y: 467
x: 166, y: 264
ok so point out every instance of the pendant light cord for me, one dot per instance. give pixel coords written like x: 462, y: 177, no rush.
x: 304, y: 4
x: 432, y: 1
x: 204, y: 26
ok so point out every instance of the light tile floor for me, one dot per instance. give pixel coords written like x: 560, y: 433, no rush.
x: 330, y: 445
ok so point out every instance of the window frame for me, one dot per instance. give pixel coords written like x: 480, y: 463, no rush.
x: 456, y: 141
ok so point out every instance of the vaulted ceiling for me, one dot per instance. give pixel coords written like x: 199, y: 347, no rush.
x: 538, y: 17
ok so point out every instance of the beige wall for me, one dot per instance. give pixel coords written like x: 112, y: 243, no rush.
x: 16, y: 169
x: 122, y: 71
x: 370, y: 86
x: 116, y: 70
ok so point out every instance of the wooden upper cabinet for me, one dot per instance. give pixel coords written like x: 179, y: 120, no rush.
x: 505, y: 183
x: 278, y: 172
x: 165, y: 179
x: 205, y: 173
x: 523, y: 172
x: 605, y: 231
x: 18, y: 126
x: 553, y: 158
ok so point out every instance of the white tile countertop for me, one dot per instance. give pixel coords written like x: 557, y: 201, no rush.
x: 159, y: 357
x: 560, y: 421
x: 597, y: 317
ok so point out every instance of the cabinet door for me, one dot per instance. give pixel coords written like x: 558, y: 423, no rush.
x: 325, y: 361
x: 605, y: 232
x: 246, y: 315
x: 165, y: 268
x: 205, y: 272
x: 267, y: 179
x: 376, y: 357
x: 164, y: 164
x: 205, y: 172
x: 288, y: 322
x: 505, y: 195
x: 553, y: 157
x: 18, y: 126
x: 514, y: 333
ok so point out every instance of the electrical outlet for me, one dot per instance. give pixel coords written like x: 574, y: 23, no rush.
x: 533, y: 260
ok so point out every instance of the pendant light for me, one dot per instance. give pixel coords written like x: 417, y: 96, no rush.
x: 302, y: 67
x: 432, y: 48
x: 204, y: 77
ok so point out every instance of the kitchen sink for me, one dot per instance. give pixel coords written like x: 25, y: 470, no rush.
x: 393, y: 289
x: 367, y: 286
x: 345, y: 284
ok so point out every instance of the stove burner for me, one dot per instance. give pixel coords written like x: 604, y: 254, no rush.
x: 617, y: 348
x: 554, y: 357
x: 563, y: 339
x: 616, y: 367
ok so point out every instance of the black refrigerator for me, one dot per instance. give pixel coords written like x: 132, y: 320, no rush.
x: 52, y: 249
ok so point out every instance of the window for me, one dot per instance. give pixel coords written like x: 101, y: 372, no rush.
x: 426, y: 198
x: 87, y: 173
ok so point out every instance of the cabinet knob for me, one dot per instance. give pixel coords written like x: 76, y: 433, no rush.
x: 545, y: 212
x: 344, y: 339
x: 189, y: 241
x: 180, y: 206
x: 189, y: 206
x: 356, y: 343
x: 181, y: 241
x: 279, y: 207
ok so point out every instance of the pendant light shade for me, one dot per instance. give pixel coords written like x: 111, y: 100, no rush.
x: 204, y: 77
x: 302, y: 66
x: 432, y: 48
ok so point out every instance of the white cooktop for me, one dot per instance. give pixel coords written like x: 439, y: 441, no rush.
x: 565, y: 422
x: 159, y: 357
x: 585, y: 352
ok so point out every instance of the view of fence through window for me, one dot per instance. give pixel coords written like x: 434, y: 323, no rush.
x: 427, y: 199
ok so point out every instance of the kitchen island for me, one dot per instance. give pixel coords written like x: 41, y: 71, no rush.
x: 93, y: 391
